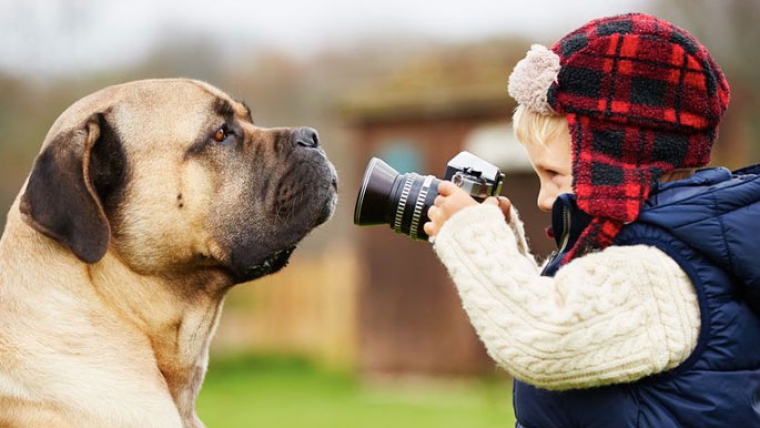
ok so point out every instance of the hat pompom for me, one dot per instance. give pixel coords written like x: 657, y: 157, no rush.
x: 530, y: 81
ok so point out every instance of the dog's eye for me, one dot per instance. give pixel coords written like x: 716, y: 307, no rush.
x: 221, y: 134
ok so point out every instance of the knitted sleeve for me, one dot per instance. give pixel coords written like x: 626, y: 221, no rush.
x: 609, y: 317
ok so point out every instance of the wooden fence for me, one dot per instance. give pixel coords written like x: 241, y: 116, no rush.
x: 309, y: 308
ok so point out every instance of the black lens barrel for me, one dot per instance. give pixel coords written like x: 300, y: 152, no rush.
x: 399, y: 200
x: 376, y: 190
x: 411, y: 203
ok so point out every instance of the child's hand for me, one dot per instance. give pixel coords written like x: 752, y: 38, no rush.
x: 503, y: 203
x: 450, y: 200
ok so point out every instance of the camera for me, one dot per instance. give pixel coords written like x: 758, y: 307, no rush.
x: 402, y: 200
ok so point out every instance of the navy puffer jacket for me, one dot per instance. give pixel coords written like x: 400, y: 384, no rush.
x: 710, y: 225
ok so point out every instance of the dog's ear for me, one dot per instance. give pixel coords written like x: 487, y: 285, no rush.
x: 67, y: 186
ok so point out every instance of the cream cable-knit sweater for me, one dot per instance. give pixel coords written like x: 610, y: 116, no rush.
x: 609, y: 317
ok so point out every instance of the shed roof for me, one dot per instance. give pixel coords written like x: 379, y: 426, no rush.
x: 461, y: 80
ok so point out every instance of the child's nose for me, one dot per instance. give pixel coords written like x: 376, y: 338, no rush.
x: 545, y: 200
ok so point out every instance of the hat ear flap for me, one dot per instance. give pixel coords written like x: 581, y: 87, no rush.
x: 61, y: 200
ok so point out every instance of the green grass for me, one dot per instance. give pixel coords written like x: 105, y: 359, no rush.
x: 290, y: 393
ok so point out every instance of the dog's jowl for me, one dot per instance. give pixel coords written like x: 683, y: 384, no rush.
x: 147, y: 202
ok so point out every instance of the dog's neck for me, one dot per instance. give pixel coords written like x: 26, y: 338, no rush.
x: 178, y: 315
x: 174, y: 319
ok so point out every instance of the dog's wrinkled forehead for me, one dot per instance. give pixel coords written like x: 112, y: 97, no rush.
x: 151, y: 105
x: 223, y: 104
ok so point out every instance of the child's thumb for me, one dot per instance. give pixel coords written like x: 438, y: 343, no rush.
x: 491, y: 201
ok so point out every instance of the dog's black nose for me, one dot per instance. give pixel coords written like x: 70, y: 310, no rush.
x: 306, y: 137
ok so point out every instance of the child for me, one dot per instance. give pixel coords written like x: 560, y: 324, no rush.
x: 647, y: 314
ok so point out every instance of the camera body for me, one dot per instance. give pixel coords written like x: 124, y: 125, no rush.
x: 475, y: 176
x: 402, y: 200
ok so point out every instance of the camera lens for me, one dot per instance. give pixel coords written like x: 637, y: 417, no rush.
x: 399, y: 200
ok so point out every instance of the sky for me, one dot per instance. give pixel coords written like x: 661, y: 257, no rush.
x: 65, y: 36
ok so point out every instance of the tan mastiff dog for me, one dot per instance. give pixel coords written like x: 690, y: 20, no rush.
x: 148, y: 201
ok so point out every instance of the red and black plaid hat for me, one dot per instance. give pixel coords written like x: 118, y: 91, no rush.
x: 642, y: 97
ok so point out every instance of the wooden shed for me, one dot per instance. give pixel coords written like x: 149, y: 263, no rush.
x: 410, y: 316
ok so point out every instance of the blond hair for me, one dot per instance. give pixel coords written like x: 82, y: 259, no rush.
x: 536, y: 128
x: 531, y: 127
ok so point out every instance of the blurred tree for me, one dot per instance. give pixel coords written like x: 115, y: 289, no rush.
x: 730, y: 30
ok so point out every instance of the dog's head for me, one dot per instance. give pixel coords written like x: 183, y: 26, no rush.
x: 172, y: 175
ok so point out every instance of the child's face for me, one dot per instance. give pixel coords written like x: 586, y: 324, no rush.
x: 552, y: 162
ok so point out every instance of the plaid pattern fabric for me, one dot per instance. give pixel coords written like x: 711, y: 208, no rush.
x: 642, y: 97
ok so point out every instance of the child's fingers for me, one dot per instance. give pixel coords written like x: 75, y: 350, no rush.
x: 506, y: 206
x: 446, y: 188
x: 433, y: 213
x: 429, y: 229
x: 491, y: 201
